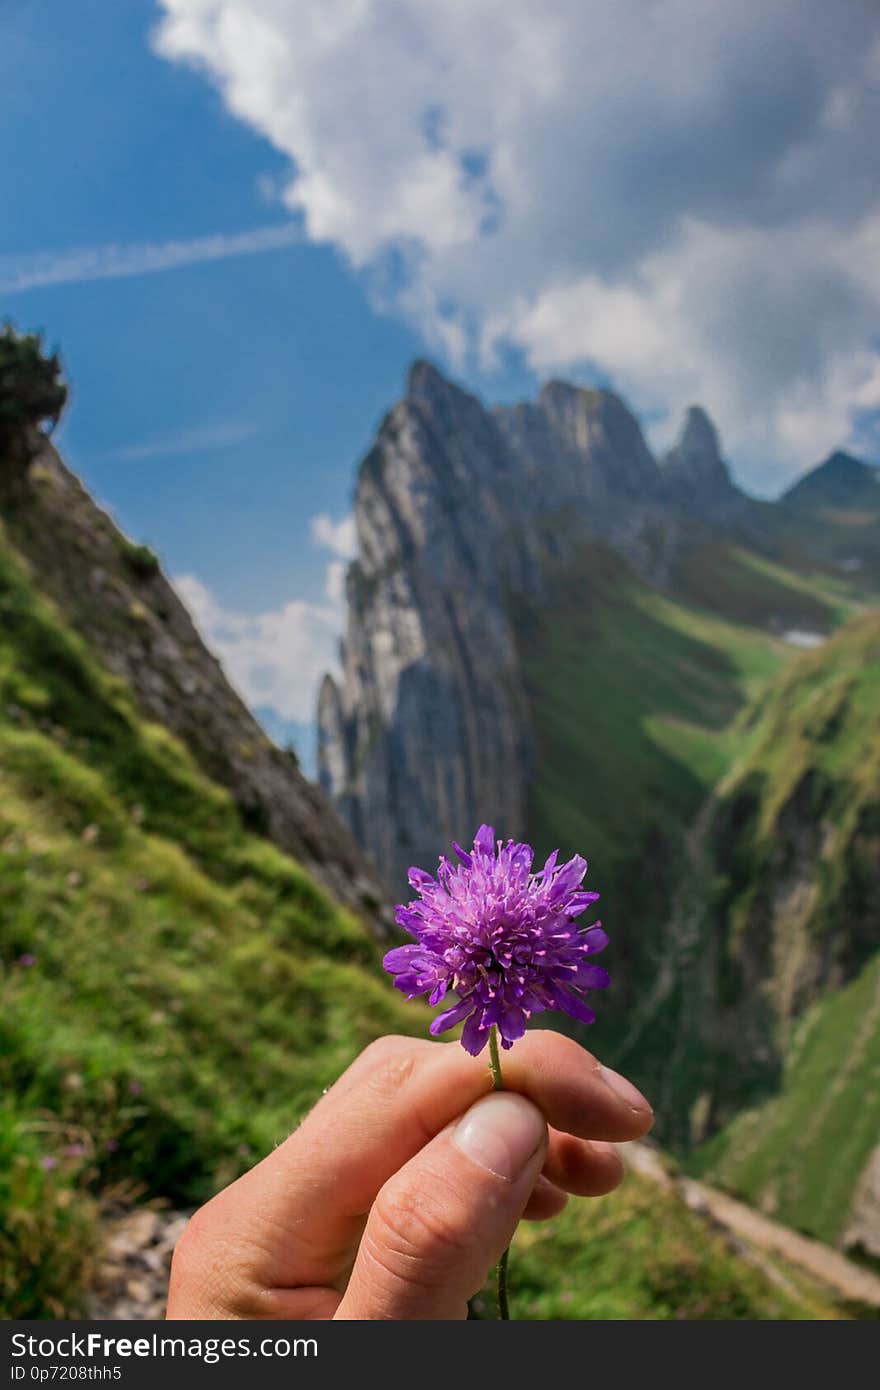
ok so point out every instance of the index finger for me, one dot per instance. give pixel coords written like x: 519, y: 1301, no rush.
x: 302, y: 1209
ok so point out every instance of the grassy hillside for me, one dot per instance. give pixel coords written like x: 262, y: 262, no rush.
x: 726, y: 789
x: 797, y: 845
x: 174, y: 991
x: 635, y: 696
x: 798, y: 826
x: 799, y: 1155
x: 642, y: 1254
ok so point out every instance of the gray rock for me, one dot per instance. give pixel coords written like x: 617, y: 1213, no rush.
x: 863, y: 1229
x: 459, y: 508
x: 696, y: 474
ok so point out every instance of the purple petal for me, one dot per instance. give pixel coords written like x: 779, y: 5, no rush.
x: 418, y: 879
x: 568, y: 877
x: 462, y: 854
x: 595, y: 939
x: 401, y: 958
x: 576, y: 1008
x: 408, y: 919
x: 484, y: 840
x: 512, y: 1024
x: 593, y: 977
x: 579, y: 902
x: 492, y: 1013
x: 473, y: 1037
x: 450, y: 1017
x: 410, y: 983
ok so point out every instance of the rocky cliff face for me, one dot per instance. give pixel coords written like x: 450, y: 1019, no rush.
x: 115, y: 594
x: 458, y: 508
x: 696, y: 474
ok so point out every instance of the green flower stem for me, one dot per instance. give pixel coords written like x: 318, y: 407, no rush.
x: 498, y: 1084
x: 495, y: 1059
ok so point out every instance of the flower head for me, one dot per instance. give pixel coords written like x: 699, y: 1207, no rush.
x: 504, y: 939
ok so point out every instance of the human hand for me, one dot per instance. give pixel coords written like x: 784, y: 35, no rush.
x: 404, y: 1185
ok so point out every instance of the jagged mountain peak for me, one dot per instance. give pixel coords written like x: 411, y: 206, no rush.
x: 424, y: 376
x: 561, y: 398
x: 694, y: 466
x: 698, y: 431
x: 427, y: 385
x: 841, y: 480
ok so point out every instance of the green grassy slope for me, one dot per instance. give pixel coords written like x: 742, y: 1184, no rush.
x: 804, y: 804
x: 800, y: 1154
x: 642, y: 1254
x: 634, y: 697
x: 175, y: 993
x: 725, y: 788
x: 797, y: 846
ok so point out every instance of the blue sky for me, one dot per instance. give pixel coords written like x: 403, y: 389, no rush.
x: 241, y: 227
x: 269, y: 370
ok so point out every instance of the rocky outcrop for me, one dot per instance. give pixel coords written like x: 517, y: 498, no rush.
x: 115, y: 594
x: 863, y: 1232
x: 457, y: 509
x: 428, y: 724
x: 696, y: 474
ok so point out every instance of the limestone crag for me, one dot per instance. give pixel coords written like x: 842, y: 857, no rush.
x: 458, y: 508
x: 696, y: 474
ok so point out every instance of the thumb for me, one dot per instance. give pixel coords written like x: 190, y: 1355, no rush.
x: 439, y: 1225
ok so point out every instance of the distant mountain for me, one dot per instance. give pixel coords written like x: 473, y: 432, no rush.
x: 695, y: 474
x: 462, y: 513
x: 459, y: 510
x: 841, y: 483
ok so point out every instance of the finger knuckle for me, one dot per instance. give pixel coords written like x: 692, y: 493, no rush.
x: 414, y: 1234
x: 390, y: 1061
x: 208, y: 1265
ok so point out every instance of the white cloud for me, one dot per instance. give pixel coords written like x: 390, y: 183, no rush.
x: 715, y: 316
x: 38, y: 269
x: 274, y: 659
x: 339, y: 537
x: 667, y: 192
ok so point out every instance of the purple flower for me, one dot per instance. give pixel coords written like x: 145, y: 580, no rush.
x: 48, y: 1162
x: 506, y: 940
x: 26, y: 960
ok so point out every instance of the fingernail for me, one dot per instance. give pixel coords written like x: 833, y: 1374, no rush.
x: 602, y: 1147
x: 501, y: 1133
x: 625, y: 1090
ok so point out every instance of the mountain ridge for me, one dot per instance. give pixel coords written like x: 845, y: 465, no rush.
x: 458, y: 507
x: 840, y: 480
